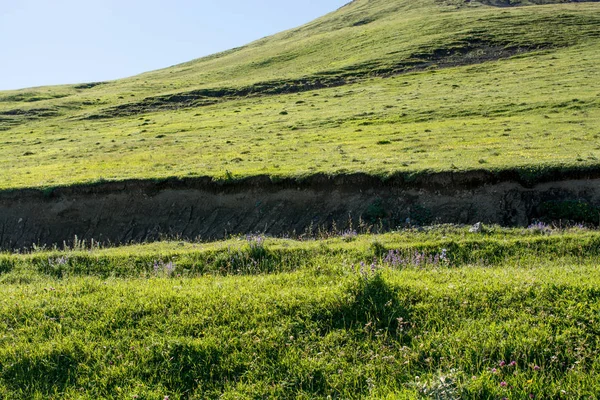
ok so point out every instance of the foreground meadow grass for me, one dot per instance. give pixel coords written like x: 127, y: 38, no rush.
x: 420, y: 314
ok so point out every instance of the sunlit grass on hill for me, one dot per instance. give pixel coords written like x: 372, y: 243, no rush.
x: 495, y: 116
x: 538, y: 108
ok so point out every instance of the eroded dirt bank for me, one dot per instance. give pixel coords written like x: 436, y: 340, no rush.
x: 134, y: 211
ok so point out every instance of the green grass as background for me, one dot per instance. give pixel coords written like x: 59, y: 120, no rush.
x: 326, y: 327
x: 444, y: 315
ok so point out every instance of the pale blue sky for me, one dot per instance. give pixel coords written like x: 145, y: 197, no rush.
x: 45, y: 42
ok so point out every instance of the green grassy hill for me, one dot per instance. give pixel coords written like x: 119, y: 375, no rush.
x: 380, y: 87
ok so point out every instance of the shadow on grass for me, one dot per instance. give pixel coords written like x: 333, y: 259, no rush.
x: 46, y: 373
x: 374, y: 307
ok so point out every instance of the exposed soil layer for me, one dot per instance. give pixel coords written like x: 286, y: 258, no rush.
x: 136, y: 211
x: 11, y: 118
x: 467, y: 51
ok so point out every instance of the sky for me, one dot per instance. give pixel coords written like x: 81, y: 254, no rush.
x: 49, y: 42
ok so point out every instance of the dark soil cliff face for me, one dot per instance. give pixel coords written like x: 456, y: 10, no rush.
x: 201, y: 209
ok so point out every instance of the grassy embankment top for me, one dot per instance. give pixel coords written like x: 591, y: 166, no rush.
x: 379, y: 87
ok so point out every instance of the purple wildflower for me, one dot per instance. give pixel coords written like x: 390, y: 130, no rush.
x: 362, y: 268
x: 395, y: 259
x: 160, y: 267
x: 417, y: 261
x: 349, y: 235
x: 255, y: 241
x: 59, y: 261
x: 170, y: 267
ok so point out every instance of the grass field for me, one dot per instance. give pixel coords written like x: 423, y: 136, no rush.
x: 382, y: 88
x: 499, y: 314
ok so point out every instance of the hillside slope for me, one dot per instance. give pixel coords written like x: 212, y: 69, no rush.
x: 380, y: 87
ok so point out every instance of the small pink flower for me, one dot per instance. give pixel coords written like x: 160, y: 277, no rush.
x: 513, y: 364
x: 502, y: 363
x: 536, y: 368
x: 503, y: 384
x: 494, y: 370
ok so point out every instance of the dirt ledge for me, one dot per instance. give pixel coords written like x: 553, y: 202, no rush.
x: 200, y: 208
